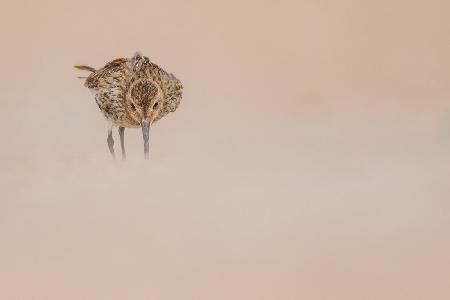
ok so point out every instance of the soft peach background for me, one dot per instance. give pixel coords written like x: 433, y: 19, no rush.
x: 310, y: 158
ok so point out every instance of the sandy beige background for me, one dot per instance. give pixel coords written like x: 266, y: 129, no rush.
x: 310, y: 158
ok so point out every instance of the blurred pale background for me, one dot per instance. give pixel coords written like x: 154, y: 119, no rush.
x: 310, y: 158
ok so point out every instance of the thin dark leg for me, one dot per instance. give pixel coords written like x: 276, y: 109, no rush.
x: 122, y: 141
x: 110, y: 141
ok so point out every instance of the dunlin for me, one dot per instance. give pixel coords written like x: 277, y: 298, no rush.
x: 132, y: 93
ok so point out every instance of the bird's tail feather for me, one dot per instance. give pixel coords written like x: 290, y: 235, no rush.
x: 85, y: 68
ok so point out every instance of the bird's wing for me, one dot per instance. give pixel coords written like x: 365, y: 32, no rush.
x: 97, y: 77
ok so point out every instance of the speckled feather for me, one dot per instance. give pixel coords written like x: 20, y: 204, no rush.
x: 138, y: 78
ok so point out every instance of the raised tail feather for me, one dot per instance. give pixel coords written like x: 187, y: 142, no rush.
x: 85, y: 68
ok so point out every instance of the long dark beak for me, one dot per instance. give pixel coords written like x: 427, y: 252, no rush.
x: 145, y: 124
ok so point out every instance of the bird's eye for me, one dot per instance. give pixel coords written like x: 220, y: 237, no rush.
x: 155, y: 106
x: 133, y: 107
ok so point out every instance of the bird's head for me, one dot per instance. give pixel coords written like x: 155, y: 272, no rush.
x: 144, y: 103
x: 144, y: 100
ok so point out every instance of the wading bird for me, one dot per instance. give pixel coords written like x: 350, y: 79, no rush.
x: 132, y: 93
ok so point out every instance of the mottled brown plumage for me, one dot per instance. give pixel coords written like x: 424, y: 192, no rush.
x: 133, y: 92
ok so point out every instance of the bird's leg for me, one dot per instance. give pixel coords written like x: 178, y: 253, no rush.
x: 145, y: 133
x: 122, y: 141
x: 110, y: 141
